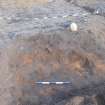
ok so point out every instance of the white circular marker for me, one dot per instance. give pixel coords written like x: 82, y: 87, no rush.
x: 73, y: 27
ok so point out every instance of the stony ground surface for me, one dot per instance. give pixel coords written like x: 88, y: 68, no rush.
x: 36, y: 44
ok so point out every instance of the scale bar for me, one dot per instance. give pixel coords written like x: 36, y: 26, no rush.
x: 48, y: 83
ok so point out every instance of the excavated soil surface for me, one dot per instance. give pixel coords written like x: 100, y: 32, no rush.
x: 36, y: 44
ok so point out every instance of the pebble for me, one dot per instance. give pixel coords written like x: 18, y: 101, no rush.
x: 66, y: 24
x: 54, y: 17
x: 65, y: 16
x: 73, y: 27
x: 1, y: 18
x: 45, y: 17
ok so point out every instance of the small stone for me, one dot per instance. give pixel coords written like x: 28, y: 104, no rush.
x: 11, y: 35
x: 66, y: 24
x: 1, y: 18
x: 73, y: 27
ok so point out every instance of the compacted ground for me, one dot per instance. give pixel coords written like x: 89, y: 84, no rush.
x: 37, y: 45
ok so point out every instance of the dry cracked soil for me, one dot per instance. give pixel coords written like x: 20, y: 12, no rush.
x: 37, y: 45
